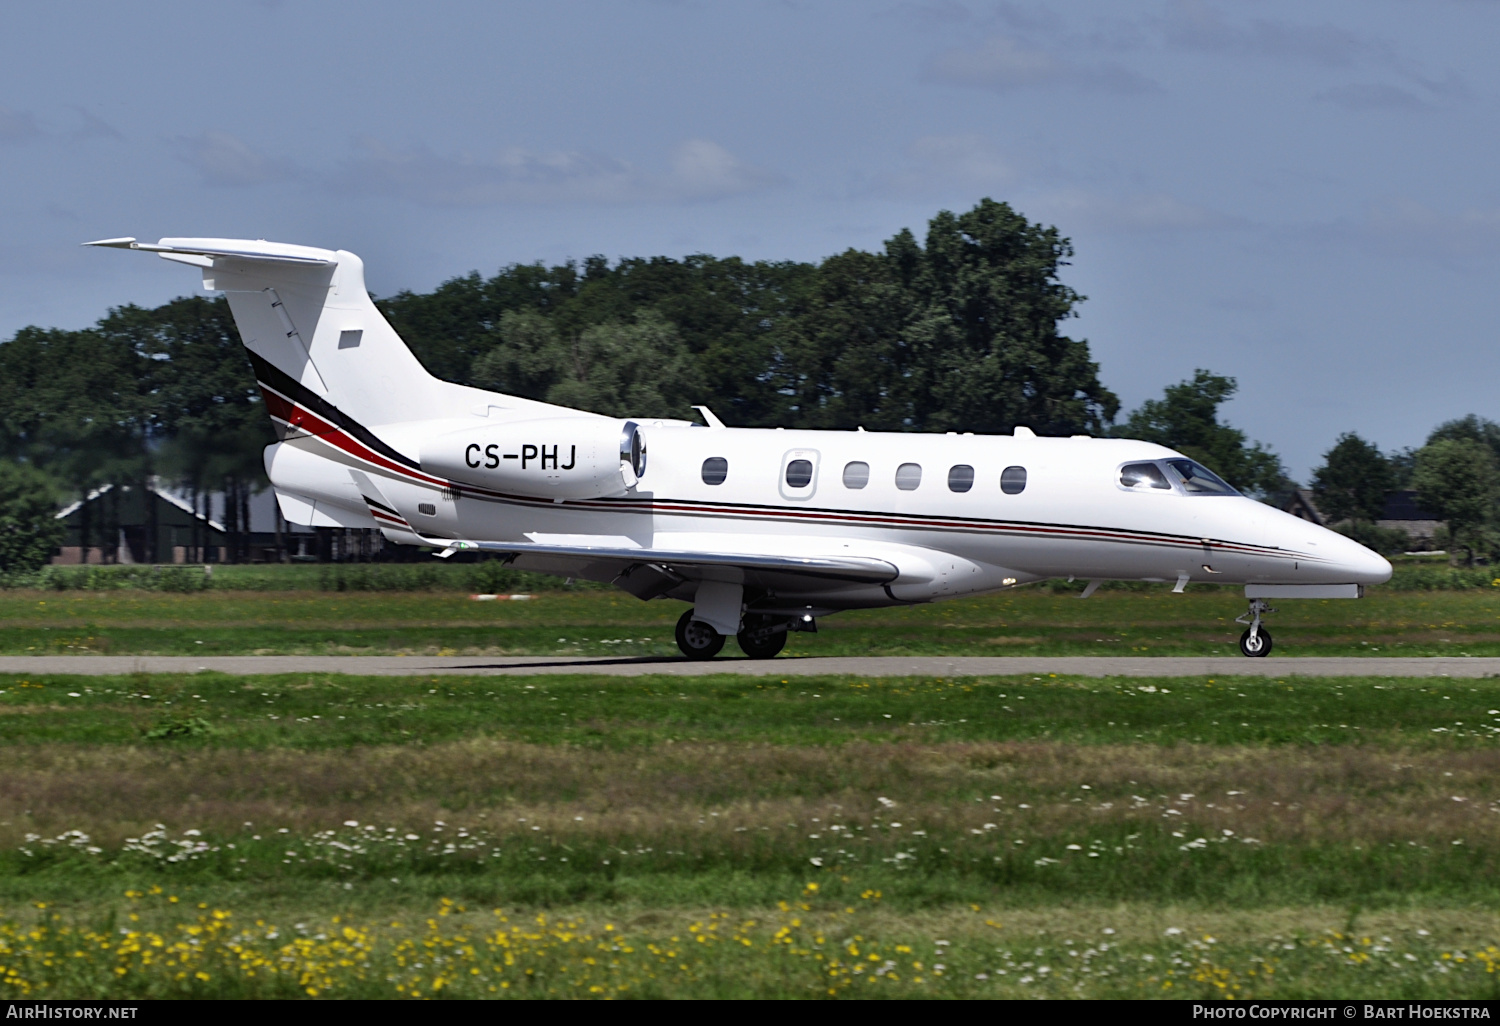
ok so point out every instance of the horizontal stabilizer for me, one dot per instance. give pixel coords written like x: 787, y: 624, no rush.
x: 241, y: 249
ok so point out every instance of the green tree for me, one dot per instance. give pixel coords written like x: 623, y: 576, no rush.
x: 1471, y: 427
x: 1353, y: 481
x: 1187, y: 419
x: 206, y: 414
x: 987, y: 303
x: 638, y: 369
x: 29, y: 528
x: 960, y: 333
x: 843, y: 359
x: 1457, y: 479
x: 77, y: 405
x: 726, y: 312
x: 527, y: 361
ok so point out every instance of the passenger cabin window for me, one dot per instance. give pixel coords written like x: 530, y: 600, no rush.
x: 715, y: 470
x: 799, y: 473
x: 1143, y: 475
x: 908, y: 476
x: 856, y: 474
x: 1013, y: 480
x: 1199, y: 480
x: 960, y: 478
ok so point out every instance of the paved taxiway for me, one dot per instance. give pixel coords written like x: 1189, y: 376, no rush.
x: 865, y: 666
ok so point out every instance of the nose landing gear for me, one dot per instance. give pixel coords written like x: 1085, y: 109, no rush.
x: 1256, y: 641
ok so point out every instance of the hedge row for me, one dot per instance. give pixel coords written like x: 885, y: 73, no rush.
x: 490, y: 576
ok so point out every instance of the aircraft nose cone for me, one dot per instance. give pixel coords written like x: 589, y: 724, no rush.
x: 1362, y: 565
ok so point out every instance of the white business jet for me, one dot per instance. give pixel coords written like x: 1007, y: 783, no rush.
x: 762, y: 530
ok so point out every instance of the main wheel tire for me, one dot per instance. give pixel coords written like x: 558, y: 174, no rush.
x: 1261, y: 646
x: 697, y: 639
x: 767, y: 646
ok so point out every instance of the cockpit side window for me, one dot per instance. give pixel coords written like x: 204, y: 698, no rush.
x: 1142, y: 476
x: 1199, y: 480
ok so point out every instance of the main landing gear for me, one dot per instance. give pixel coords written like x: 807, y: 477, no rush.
x: 1256, y: 641
x: 697, y: 639
x: 760, y: 637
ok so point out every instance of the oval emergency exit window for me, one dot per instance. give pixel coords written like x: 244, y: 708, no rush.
x: 715, y: 470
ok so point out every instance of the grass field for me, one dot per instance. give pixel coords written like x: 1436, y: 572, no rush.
x: 1027, y: 621
x: 718, y: 836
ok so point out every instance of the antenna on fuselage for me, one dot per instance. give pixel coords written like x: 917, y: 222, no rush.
x: 708, y: 415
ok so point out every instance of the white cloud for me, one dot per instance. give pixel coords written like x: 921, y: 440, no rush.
x: 221, y: 159
x: 17, y: 126
x: 945, y: 165
x: 928, y: 13
x: 1405, y: 227
x: 943, y: 161
x: 706, y: 170
x: 1077, y: 209
x: 1198, y: 25
x: 1423, y: 94
x: 94, y: 127
x: 700, y: 170
x: 1001, y: 63
x: 513, y: 175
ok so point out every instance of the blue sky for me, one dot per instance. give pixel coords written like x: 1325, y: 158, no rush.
x: 1300, y: 195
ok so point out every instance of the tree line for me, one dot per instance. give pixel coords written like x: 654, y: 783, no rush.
x: 1454, y: 475
x: 963, y: 329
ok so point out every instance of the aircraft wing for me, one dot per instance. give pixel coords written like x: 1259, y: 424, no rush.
x: 649, y: 572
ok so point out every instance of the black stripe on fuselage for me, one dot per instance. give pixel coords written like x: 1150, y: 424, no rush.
x: 278, y: 380
x: 301, y: 395
x: 379, y: 505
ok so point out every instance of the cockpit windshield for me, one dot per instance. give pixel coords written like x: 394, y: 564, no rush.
x: 1199, y: 480
x: 1143, y: 475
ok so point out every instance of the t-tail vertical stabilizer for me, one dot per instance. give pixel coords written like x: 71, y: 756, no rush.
x: 330, y: 366
x: 311, y: 328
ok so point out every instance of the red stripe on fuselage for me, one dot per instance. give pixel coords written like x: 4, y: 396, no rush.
x: 296, y: 416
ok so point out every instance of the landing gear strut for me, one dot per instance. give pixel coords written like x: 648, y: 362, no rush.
x: 1256, y: 641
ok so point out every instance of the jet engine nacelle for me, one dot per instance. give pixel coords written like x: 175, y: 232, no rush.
x: 553, y: 458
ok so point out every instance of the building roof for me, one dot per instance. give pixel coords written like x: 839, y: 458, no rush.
x: 1402, y: 505
x: 72, y: 508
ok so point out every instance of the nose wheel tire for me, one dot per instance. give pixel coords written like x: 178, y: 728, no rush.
x: 1258, y: 646
x: 767, y: 646
x: 697, y: 639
